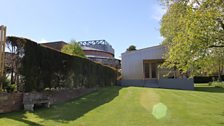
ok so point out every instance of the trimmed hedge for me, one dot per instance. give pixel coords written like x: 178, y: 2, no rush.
x: 206, y: 79
x: 42, y: 68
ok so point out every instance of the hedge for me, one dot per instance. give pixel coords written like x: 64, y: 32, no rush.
x: 206, y: 79
x: 42, y: 67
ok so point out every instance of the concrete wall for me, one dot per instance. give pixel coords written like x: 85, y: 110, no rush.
x: 10, y: 102
x: 139, y: 83
x: 132, y: 62
x: 184, y: 84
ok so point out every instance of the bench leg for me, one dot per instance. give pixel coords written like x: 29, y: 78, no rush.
x: 28, y: 107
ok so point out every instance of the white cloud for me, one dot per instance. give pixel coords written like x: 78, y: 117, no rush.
x: 161, y: 38
x: 43, y: 41
x: 158, y: 12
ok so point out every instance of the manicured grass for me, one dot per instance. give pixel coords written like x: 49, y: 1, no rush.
x: 131, y: 106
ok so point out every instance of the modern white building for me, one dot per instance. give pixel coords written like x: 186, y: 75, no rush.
x: 142, y: 64
x: 142, y: 68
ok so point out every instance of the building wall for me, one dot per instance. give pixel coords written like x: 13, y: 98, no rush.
x: 98, y: 53
x: 10, y: 102
x: 178, y: 83
x: 133, y: 74
x: 132, y: 62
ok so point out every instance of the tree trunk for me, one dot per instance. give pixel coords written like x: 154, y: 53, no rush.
x: 12, y: 77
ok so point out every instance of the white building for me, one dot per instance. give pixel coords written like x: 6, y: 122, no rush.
x: 142, y: 64
x: 141, y: 68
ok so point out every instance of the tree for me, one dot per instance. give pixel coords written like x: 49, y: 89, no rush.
x: 193, y: 32
x: 12, y: 60
x: 73, y: 48
x: 131, y: 48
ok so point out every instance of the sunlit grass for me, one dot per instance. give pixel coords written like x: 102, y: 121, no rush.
x: 131, y: 106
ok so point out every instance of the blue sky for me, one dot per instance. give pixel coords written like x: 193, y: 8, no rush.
x: 120, y: 22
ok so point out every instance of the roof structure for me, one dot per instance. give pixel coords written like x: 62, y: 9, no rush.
x: 143, y: 49
x: 98, y: 44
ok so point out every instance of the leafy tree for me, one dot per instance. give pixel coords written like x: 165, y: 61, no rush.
x: 131, y: 48
x: 12, y: 60
x: 73, y: 48
x: 193, y: 32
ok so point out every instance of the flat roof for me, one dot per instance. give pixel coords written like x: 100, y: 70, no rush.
x: 152, y: 47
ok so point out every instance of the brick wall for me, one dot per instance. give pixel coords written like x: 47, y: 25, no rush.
x: 64, y: 95
x: 10, y: 102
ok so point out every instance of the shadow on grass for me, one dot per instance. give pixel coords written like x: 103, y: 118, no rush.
x: 209, y: 89
x: 19, y: 117
x: 63, y: 113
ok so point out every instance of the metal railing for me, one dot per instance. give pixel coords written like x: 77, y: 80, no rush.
x: 98, y: 44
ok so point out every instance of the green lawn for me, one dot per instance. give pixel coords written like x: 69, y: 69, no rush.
x: 131, y: 106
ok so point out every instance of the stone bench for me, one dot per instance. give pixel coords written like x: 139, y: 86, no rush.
x: 30, y: 99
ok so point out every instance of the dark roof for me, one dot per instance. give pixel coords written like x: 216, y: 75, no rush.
x: 58, y: 45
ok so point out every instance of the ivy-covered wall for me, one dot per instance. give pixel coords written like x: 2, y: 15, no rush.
x: 41, y: 68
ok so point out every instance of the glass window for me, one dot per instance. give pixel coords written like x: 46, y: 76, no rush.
x: 147, y: 70
x: 154, y: 70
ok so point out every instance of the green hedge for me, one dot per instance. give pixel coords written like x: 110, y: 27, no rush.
x: 42, y: 68
x: 206, y: 79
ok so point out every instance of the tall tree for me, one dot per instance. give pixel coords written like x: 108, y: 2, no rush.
x: 73, y: 48
x: 131, y: 48
x: 194, y: 33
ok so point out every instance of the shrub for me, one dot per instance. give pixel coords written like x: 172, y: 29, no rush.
x: 11, y: 88
x: 218, y: 84
x: 74, y: 49
x: 8, y: 86
x: 206, y: 79
x: 42, y: 68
